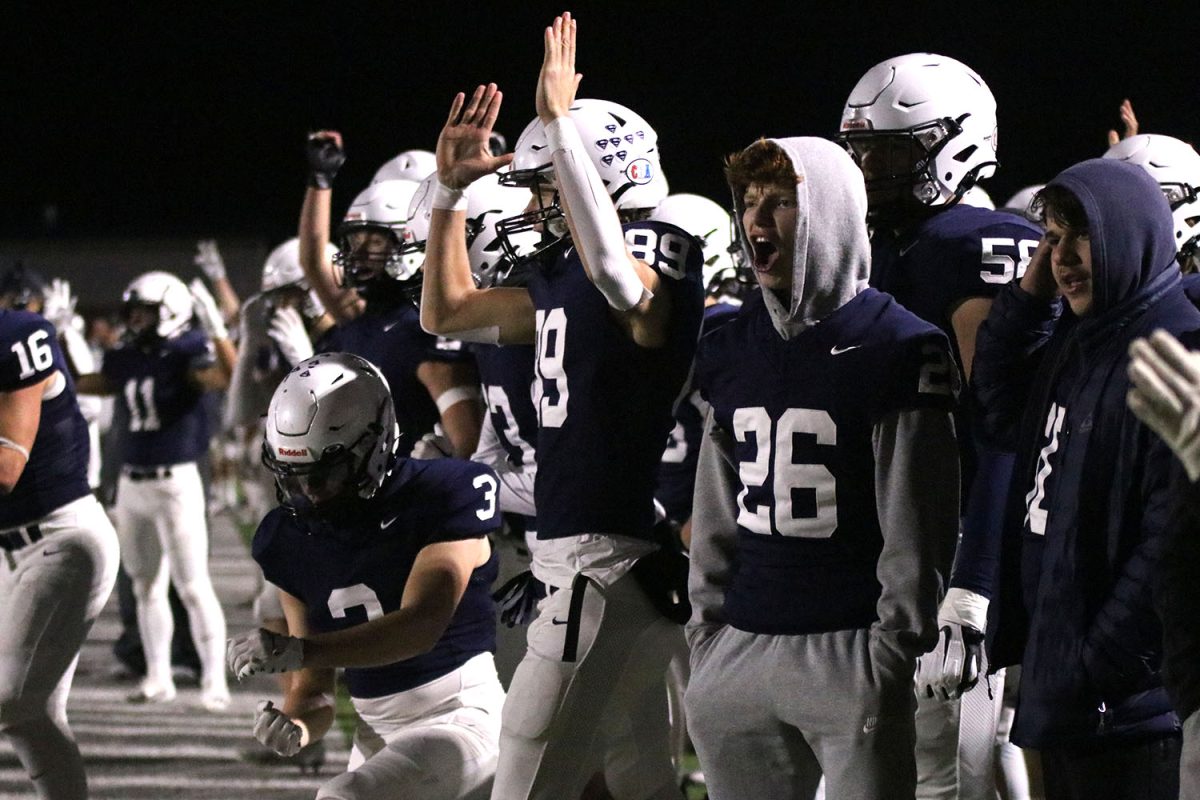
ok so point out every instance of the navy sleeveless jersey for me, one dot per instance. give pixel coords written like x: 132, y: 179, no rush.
x: 604, y: 403
x: 392, y: 339
x: 56, y: 472
x: 800, y: 416
x: 677, y: 470
x: 506, y: 373
x: 167, y: 422
x: 357, y: 571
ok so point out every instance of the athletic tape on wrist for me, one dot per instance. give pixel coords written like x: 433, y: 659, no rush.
x: 11, y: 445
x: 448, y: 199
x: 456, y: 395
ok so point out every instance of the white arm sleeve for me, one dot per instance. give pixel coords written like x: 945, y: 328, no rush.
x: 598, y: 234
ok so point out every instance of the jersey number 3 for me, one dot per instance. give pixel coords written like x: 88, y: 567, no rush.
x: 802, y: 498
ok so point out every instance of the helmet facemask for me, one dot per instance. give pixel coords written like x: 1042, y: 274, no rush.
x: 547, y: 219
x: 393, y: 270
x: 898, y: 167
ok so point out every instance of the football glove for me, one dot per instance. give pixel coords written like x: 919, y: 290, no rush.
x: 952, y: 667
x: 207, y: 313
x: 263, y: 651
x: 208, y: 259
x: 59, y: 306
x: 1166, y: 394
x: 276, y: 730
x: 290, y: 336
x: 518, y: 599
x: 325, y: 158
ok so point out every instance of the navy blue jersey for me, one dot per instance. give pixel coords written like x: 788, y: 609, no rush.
x: 56, y: 472
x: 677, y: 471
x: 506, y: 372
x: 604, y: 403
x: 357, y: 571
x: 392, y: 340
x: 954, y: 255
x: 800, y: 416
x: 1191, y: 287
x: 167, y: 422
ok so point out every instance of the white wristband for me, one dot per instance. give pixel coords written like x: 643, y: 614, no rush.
x: 456, y: 395
x: 965, y: 608
x: 11, y: 445
x: 448, y: 199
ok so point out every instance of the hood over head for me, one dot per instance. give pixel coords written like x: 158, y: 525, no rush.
x: 832, y: 257
x: 1129, y: 225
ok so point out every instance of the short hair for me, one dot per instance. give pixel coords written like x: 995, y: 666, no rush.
x: 1059, y: 204
x: 763, y: 162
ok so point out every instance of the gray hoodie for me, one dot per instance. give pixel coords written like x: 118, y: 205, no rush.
x: 915, y: 454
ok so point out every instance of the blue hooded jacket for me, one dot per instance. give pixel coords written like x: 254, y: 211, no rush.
x: 1074, y: 605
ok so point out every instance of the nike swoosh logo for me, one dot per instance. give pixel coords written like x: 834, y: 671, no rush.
x: 837, y: 351
x: 557, y: 621
x: 390, y: 325
x: 904, y: 250
x: 385, y: 524
x: 50, y: 552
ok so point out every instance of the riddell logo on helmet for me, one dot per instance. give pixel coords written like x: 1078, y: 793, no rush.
x: 856, y: 124
x: 640, y: 171
x: 293, y: 452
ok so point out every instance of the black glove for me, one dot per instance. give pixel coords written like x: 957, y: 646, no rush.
x: 325, y: 158
x: 518, y: 599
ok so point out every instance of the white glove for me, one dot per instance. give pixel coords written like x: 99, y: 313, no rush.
x: 208, y: 259
x: 1166, y: 394
x: 263, y: 651
x: 59, y: 305
x: 207, y: 312
x: 952, y: 667
x: 432, y: 445
x: 276, y: 730
x: 290, y: 335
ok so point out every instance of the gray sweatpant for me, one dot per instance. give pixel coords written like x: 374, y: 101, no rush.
x: 770, y: 714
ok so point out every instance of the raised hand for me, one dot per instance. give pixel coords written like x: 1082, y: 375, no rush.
x: 464, y: 154
x: 206, y: 311
x: 1128, y: 121
x: 558, y: 80
x: 325, y: 157
x: 59, y: 305
x: 290, y: 336
x: 208, y: 259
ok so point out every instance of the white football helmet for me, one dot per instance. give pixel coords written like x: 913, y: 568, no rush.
x: 923, y: 128
x: 622, y: 146
x: 330, y: 434
x: 1176, y: 167
x: 713, y: 226
x: 380, y: 207
x: 282, y: 269
x: 487, y: 203
x: 1022, y: 202
x: 411, y: 165
x: 167, y: 295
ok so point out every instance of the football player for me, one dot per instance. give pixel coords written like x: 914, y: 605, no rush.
x: 59, y: 552
x: 161, y: 372
x: 370, y: 289
x: 1175, y: 165
x: 923, y: 129
x: 614, y: 311
x: 384, y: 569
x: 823, y: 514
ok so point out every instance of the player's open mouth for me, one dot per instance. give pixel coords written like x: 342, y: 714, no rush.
x: 764, y: 254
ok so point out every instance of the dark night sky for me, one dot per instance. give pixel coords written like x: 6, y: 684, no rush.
x: 169, y: 122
